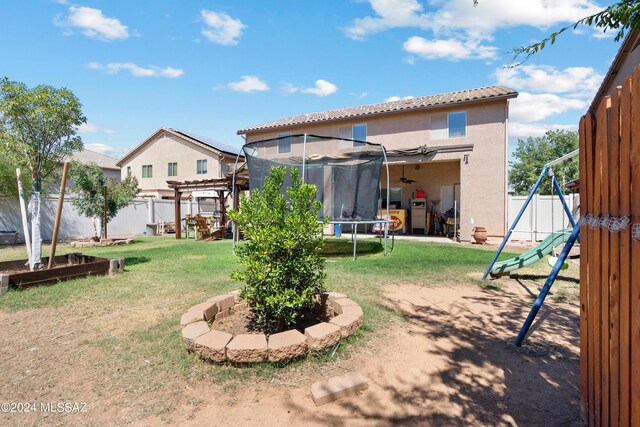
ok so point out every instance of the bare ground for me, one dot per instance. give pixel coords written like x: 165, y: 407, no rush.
x: 450, y: 362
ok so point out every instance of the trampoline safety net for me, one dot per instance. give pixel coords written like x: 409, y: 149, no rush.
x: 346, y: 172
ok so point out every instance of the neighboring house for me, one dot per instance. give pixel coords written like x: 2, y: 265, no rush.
x: 627, y: 58
x: 466, y: 129
x: 176, y: 155
x: 108, y: 164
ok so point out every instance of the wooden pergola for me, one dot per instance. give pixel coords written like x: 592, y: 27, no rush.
x: 223, y: 186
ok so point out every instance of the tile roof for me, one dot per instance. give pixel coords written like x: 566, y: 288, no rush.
x: 87, y: 156
x: 423, y: 102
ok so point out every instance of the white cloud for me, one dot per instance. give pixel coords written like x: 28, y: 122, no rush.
x: 525, y: 130
x: 529, y: 107
x: 322, y: 88
x: 136, y: 70
x: 249, y: 84
x: 578, y: 81
x: 93, y: 23
x: 452, y: 15
x: 92, y: 128
x: 452, y: 49
x: 397, y: 98
x: 221, y: 28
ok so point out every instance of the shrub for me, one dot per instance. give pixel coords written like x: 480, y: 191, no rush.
x: 279, y: 261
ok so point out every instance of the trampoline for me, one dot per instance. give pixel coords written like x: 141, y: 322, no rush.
x: 346, y: 173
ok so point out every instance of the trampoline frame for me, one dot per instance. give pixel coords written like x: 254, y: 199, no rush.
x: 355, y: 224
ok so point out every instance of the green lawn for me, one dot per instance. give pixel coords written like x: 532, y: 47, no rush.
x: 132, y: 319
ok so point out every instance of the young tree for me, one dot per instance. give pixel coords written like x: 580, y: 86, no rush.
x: 37, y: 132
x: 280, y: 259
x: 533, y: 153
x: 88, y: 193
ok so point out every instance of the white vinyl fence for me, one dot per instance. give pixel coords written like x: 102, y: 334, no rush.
x: 544, y: 215
x: 130, y: 221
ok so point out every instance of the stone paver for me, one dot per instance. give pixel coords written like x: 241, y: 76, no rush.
x: 191, y: 316
x: 236, y: 296
x: 333, y: 295
x: 247, y: 348
x: 347, y: 323
x: 224, y: 302
x: 287, y: 345
x: 208, y: 309
x: 340, y: 303
x: 222, y: 314
x: 193, y: 331
x: 322, y: 335
x: 338, y: 387
x: 212, y: 345
x: 355, y: 310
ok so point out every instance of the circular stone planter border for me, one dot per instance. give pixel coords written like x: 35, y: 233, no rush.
x: 218, y: 346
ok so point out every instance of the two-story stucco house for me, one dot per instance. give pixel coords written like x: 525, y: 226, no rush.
x: 463, y: 135
x: 175, y: 155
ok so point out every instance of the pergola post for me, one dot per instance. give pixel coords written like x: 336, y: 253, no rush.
x: 223, y: 212
x: 177, y: 195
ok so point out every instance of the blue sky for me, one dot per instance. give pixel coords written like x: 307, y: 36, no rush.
x: 213, y: 67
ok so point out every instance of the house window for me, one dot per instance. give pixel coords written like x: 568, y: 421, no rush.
x: 128, y: 170
x: 201, y: 167
x: 359, y: 134
x: 172, y: 169
x: 457, y: 124
x: 147, y: 171
x: 284, y: 144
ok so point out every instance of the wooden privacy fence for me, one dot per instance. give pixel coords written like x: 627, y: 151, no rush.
x: 610, y: 259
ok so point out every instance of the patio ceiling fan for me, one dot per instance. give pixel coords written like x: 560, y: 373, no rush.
x: 406, y: 180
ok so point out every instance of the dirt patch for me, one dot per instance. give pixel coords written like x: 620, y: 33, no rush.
x: 452, y: 362
x: 245, y: 321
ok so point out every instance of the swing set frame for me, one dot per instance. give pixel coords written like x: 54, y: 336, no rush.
x: 575, y: 234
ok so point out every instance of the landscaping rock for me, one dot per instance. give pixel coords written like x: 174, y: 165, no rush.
x: 338, y: 387
x: 224, y: 302
x: 236, y: 296
x: 190, y: 316
x: 247, y: 348
x: 193, y: 331
x: 223, y: 314
x: 322, y: 335
x: 207, y: 308
x: 340, y: 303
x: 239, y: 306
x: 333, y: 295
x: 287, y: 345
x: 347, y: 323
x: 212, y: 345
x: 355, y: 310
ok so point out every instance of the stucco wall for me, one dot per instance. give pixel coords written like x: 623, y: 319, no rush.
x: 167, y: 149
x: 481, y: 172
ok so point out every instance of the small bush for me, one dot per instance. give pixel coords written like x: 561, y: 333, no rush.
x: 280, y: 261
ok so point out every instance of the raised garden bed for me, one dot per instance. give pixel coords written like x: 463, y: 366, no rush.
x: 208, y: 329
x: 16, y: 274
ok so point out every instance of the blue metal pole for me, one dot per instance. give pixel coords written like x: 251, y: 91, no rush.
x: 513, y: 226
x: 564, y: 202
x: 547, y: 286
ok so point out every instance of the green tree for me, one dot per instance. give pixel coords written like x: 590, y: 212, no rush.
x: 8, y: 178
x: 533, y: 153
x: 38, y: 127
x: 88, y: 193
x: 280, y: 260
x: 37, y: 132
